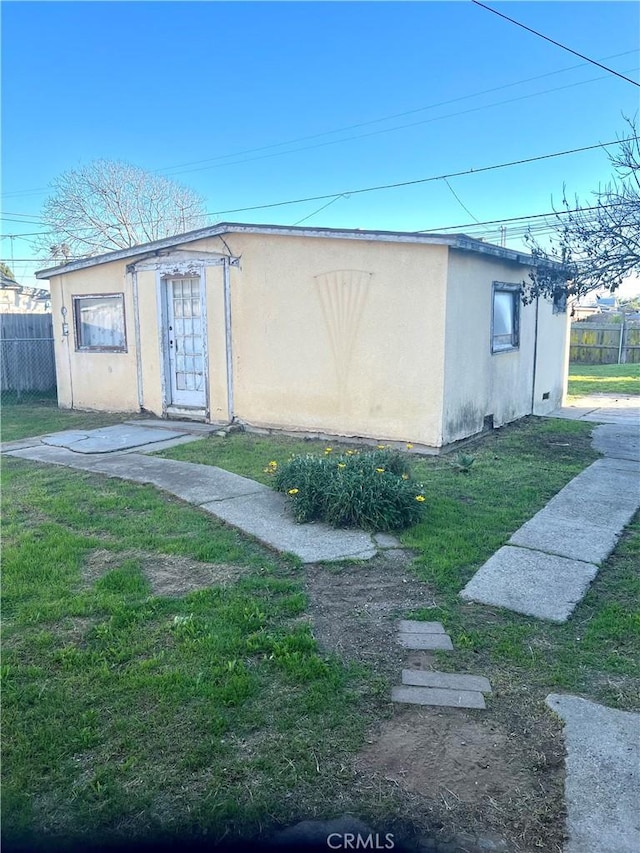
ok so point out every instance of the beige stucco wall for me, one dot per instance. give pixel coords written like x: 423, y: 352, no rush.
x: 552, y: 362
x: 149, y: 329
x: 339, y: 336
x: 479, y: 383
x: 217, y: 350
x: 94, y: 380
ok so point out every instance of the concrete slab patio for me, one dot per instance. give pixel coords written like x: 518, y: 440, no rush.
x: 602, y: 787
x: 110, y: 439
x: 601, y: 408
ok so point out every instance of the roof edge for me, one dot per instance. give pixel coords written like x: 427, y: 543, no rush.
x: 455, y: 241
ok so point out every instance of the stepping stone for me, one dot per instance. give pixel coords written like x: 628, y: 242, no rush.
x: 385, y: 540
x: 437, y: 696
x: 448, y: 680
x: 409, y: 627
x: 426, y: 641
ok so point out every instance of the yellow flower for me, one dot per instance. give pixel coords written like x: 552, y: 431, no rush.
x: 273, y: 464
x: 328, y: 449
x: 420, y: 498
x: 381, y: 446
x: 350, y: 452
x: 405, y: 476
x: 295, y: 492
x: 409, y: 446
x: 341, y: 465
x: 379, y: 470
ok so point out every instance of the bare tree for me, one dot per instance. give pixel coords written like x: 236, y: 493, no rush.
x: 597, y: 245
x: 108, y: 205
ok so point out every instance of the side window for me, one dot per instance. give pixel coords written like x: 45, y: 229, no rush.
x: 505, y: 318
x: 99, y: 323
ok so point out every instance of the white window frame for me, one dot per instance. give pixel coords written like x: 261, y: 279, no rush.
x: 77, y: 323
x: 501, y: 287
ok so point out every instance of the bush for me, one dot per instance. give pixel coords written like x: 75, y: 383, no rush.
x: 373, y: 490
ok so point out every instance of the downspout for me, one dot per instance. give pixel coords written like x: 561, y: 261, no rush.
x: 535, y: 359
x: 136, y: 325
x: 228, y: 339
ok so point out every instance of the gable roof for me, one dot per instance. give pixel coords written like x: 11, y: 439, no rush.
x: 455, y: 241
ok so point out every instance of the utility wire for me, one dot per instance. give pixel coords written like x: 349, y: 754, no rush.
x: 333, y: 200
x: 423, y: 180
x: 553, y: 41
x: 519, y: 218
x: 415, y: 182
x: 391, y: 129
x: 531, y: 216
x: 374, y: 121
x: 444, y: 177
x: 392, y: 115
x: 459, y: 200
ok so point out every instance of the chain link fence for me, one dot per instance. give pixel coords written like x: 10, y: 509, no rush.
x: 27, y: 362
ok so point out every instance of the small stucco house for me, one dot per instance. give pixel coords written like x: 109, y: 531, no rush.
x: 376, y: 334
x: 18, y: 299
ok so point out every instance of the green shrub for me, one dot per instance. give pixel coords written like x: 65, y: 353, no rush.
x: 373, y: 490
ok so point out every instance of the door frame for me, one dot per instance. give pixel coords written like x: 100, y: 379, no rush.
x: 185, y: 263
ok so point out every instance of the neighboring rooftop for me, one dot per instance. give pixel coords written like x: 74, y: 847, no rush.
x: 455, y: 241
x: 37, y: 293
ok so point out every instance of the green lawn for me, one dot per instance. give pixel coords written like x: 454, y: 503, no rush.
x: 129, y: 712
x: 603, y: 379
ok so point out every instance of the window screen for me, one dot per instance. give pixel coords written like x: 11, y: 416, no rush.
x: 505, y: 327
x: 99, y: 322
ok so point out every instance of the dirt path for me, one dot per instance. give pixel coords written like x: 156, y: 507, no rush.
x: 475, y: 780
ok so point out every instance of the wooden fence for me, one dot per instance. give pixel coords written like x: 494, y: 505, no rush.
x: 27, y: 362
x: 605, y: 343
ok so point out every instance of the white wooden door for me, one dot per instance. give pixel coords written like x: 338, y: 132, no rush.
x: 185, y: 342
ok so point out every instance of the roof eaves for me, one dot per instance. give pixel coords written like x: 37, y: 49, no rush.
x: 456, y: 241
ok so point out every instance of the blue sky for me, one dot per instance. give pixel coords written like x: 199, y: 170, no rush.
x: 208, y: 92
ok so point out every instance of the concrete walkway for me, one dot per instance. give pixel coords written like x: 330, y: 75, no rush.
x: 120, y: 451
x: 601, y: 409
x: 602, y: 786
x: 548, y: 564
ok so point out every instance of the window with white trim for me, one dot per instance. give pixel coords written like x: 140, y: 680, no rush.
x: 505, y: 318
x: 99, y: 322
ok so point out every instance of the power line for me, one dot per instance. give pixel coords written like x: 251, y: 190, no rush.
x: 528, y: 217
x: 333, y: 200
x: 519, y: 218
x: 377, y: 121
x: 444, y: 177
x: 414, y: 182
x: 459, y: 200
x: 391, y: 129
x: 422, y: 180
x: 394, y: 115
x: 557, y: 43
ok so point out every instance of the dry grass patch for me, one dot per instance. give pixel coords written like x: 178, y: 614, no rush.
x: 168, y: 574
